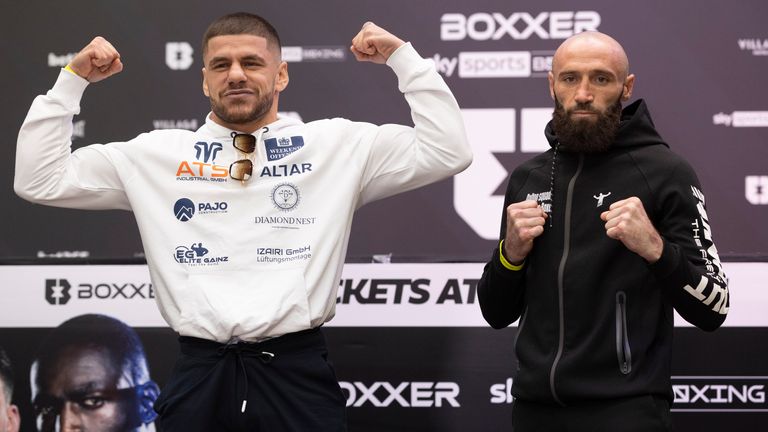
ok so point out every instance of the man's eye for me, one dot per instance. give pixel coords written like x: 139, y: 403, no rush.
x: 92, y: 402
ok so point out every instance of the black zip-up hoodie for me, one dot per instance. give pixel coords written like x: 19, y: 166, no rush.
x: 597, y: 319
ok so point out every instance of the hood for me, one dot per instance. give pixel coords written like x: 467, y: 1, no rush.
x: 218, y: 131
x: 636, y: 128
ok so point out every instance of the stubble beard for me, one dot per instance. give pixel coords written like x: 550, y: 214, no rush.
x: 584, y: 135
x: 237, y: 113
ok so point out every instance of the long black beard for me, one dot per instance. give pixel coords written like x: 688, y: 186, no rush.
x: 584, y: 136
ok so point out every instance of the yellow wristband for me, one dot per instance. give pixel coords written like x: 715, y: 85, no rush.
x: 508, y: 265
x: 69, y: 69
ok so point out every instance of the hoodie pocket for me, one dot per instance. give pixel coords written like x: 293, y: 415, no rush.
x: 623, y: 351
x: 246, y: 304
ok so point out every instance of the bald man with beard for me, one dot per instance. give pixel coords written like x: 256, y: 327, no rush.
x: 602, y: 237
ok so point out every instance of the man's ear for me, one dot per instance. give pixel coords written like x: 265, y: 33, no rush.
x: 629, y: 84
x: 282, y: 77
x: 551, y: 79
x: 14, y: 418
x: 205, y: 84
x: 146, y: 394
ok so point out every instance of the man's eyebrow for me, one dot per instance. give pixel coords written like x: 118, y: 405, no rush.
x: 599, y: 71
x: 87, y: 387
x: 227, y: 59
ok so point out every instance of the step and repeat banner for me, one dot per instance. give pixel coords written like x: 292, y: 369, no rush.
x: 409, y: 345
x: 700, y: 67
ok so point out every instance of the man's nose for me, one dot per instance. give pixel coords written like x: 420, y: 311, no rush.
x: 69, y: 419
x: 236, y: 73
x: 584, y: 92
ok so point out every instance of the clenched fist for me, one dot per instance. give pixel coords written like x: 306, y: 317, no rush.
x: 98, y: 60
x: 374, y: 44
x: 525, y: 222
x: 627, y: 221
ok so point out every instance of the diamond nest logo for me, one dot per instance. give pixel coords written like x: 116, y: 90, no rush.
x: 57, y: 291
x: 285, y: 196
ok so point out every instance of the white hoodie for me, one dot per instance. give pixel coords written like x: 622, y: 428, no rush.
x: 254, y: 259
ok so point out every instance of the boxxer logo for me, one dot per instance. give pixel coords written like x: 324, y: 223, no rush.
x: 478, y: 192
x: 405, y: 394
x: 519, y: 25
x: 178, y: 55
x: 756, y: 190
x: 57, y: 291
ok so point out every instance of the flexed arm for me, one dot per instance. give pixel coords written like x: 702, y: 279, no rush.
x: 401, y: 158
x: 47, y: 171
x: 97, y: 61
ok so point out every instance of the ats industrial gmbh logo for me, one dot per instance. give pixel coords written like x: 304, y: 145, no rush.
x: 204, y: 168
x: 61, y: 291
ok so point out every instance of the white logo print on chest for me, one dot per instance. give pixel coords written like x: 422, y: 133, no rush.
x: 600, y: 197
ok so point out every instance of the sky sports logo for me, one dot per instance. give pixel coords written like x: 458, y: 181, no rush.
x: 741, y: 119
x: 495, y: 64
x: 61, y: 291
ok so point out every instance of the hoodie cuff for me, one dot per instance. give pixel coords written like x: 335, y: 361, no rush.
x: 508, y: 265
x: 68, y: 90
x: 670, y: 257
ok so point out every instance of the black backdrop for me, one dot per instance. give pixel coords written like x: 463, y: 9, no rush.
x: 700, y: 65
x: 692, y: 62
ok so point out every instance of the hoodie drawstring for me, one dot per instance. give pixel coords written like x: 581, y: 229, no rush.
x: 552, y: 185
x: 241, y: 350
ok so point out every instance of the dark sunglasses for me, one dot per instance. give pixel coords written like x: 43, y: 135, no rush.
x: 242, y: 169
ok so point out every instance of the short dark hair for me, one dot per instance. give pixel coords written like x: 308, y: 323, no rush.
x: 242, y: 23
x: 6, y: 375
x: 93, y: 331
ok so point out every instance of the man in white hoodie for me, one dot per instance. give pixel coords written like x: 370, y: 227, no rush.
x: 245, y: 242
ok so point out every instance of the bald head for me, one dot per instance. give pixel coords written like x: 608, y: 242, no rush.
x: 592, y: 45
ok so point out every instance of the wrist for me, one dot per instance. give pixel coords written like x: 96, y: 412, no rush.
x: 514, y: 266
x: 69, y: 69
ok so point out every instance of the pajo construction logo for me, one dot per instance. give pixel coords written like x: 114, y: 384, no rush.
x: 184, y: 209
x: 62, y: 291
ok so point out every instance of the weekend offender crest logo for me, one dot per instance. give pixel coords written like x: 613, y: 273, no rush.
x: 285, y: 196
x: 278, y: 148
